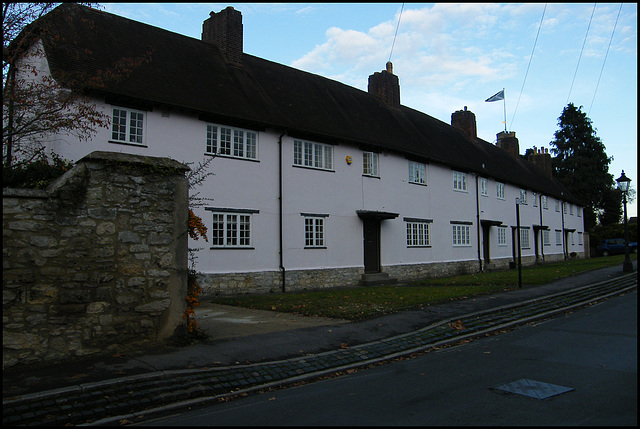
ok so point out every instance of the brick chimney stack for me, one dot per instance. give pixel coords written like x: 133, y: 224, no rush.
x: 509, y: 142
x: 542, y: 159
x: 224, y: 29
x: 386, y: 86
x: 465, y: 120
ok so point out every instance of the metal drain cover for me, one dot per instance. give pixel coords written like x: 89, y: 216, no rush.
x: 533, y: 389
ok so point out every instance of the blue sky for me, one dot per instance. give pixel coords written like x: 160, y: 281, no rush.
x: 448, y: 56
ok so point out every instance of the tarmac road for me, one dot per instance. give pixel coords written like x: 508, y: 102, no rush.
x: 592, y: 353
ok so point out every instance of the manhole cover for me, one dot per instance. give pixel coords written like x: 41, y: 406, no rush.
x: 533, y: 389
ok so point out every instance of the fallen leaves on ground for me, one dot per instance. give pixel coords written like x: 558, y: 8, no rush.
x: 458, y: 326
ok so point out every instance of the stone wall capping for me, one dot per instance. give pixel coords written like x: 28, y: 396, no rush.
x: 125, y: 158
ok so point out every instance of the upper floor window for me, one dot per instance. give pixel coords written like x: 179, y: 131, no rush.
x: 500, y: 190
x: 483, y: 187
x: 370, y: 164
x: 523, y: 196
x: 459, y: 181
x: 314, y: 155
x: 232, y: 142
x: 417, y: 173
x: 545, y: 204
x: 127, y: 126
x: 557, y: 205
x: 535, y: 199
x: 578, y: 211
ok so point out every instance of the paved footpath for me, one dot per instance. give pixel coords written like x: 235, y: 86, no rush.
x: 107, y: 390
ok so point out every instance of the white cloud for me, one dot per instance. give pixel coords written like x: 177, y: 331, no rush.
x: 436, y: 44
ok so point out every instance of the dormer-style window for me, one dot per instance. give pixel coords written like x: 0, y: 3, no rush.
x: 312, y: 155
x: 459, y: 181
x: 232, y: 142
x: 127, y: 126
x: 370, y: 164
x: 417, y: 173
x: 523, y: 196
x: 483, y: 187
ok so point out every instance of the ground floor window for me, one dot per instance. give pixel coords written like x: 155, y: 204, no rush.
x: 418, y: 234
x: 314, y: 235
x: 231, y: 228
x: 546, y: 239
x: 502, y: 236
x: 524, y: 238
x: 460, y: 235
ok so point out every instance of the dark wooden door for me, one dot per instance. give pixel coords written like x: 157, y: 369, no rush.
x: 371, y: 245
x: 486, y: 243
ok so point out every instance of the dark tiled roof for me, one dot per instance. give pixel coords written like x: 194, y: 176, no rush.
x: 187, y: 73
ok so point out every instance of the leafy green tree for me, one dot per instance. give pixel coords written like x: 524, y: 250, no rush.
x: 611, y: 213
x: 582, y: 165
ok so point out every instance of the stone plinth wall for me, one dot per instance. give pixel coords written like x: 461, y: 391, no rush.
x: 262, y: 282
x: 98, y: 262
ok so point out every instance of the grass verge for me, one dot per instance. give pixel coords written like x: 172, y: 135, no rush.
x: 364, y: 302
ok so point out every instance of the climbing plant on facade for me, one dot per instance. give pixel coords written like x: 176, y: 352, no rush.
x: 196, y: 230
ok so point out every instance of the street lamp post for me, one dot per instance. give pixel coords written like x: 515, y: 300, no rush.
x: 518, y: 240
x: 623, y: 185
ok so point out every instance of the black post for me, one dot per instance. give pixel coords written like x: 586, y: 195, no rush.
x: 519, y: 247
x: 623, y: 185
x: 627, y: 266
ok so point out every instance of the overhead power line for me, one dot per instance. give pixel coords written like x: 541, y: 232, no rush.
x: 605, y: 59
x: 396, y: 35
x: 581, y: 50
x: 527, y: 72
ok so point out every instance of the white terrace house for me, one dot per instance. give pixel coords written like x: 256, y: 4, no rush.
x: 316, y: 184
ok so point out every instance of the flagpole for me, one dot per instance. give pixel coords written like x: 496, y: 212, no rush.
x: 504, y: 99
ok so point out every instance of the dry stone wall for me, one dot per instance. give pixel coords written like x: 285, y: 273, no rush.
x: 98, y: 262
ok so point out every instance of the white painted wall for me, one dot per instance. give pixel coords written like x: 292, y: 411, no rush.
x: 246, y: 184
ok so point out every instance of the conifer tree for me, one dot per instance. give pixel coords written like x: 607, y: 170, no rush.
x: 581, y: 163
